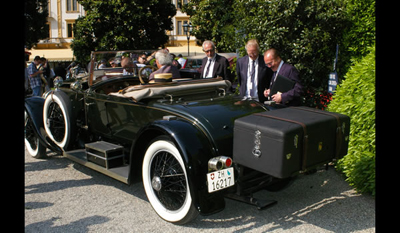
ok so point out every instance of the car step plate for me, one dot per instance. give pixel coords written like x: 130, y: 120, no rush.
x: 220, y: 179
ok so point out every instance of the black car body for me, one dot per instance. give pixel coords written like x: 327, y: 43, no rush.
x: 177, y: 136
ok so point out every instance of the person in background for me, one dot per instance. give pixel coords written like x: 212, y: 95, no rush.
x: 112, y: 62
x: 175, y: 62
x: 103, y: 64
x: 128, y: 65
x: 34, y: 77
x: 142, y: 60
x: 46, y: 73
x: 27, y: 54
x: 253, y: 75
x: 150, y: 57
x: 213, y: 65
x: 182, y: 61
x: 274, y: 61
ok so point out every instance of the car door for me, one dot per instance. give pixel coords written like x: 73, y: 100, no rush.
x: 126, y: 118
x: 96, y: 113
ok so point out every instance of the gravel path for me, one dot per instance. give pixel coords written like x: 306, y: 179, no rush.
x: 62, y: 196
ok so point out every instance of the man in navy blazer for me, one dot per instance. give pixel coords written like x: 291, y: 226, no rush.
x: 292, y: 97
x: 213, y: 65
x: 253, y: 82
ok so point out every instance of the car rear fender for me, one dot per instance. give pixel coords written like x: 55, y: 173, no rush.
x: 196, y: 149
x: 34, y: 109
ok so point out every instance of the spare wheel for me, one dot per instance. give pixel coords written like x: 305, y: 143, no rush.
x: 57, y: 118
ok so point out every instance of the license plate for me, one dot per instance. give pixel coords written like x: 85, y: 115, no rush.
x: 220, y: 179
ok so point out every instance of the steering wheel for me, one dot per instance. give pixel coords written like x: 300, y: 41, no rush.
x: 153, y: 68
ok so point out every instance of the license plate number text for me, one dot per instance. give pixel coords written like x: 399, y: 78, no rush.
x: 220, y: 179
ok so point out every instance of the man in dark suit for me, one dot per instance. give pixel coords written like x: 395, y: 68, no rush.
x: 292, y: 97
x: 213, y: 65
x: 253, y: 75
x: 164, y: 64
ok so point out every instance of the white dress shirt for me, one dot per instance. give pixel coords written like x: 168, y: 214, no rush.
x: 251, y: 91
x: 211, y: 69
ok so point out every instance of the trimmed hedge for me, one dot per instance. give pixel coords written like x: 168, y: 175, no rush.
x: 355, y: 97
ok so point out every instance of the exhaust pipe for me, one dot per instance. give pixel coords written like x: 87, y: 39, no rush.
x: 218, y: 163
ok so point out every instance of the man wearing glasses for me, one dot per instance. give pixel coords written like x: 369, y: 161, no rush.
x: 142, y: 59
x: 274, y: 61
x: 213, y: 65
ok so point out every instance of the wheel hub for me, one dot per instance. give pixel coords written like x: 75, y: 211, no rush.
x: 156, y: 183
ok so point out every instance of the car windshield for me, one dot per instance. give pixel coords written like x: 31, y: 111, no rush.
x: 114, y: 64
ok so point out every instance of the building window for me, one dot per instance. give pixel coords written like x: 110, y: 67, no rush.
x: 180, y: 3
x: 70, y: 28
x: 179, y: 30
x: 48, y: 24
x: 72, y: 6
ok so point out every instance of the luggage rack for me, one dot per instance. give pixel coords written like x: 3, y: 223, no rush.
x: 247, y: 184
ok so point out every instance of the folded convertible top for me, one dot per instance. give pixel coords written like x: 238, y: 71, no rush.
x: 139, y: 92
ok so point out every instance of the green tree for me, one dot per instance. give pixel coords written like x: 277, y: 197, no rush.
x: 355, y: 97
x: 120, y: 25
x: 360, y: 35
x: 304, y: 31
x: 213, y: 20
x: 35, y: 13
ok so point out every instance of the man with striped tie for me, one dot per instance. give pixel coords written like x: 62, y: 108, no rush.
x: 253, y: 75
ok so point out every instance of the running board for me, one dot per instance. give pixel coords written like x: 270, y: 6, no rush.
x: 119, y: 173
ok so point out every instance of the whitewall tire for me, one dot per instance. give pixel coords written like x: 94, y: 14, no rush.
x: 165, y: 182
x: 32, y: 143
x: 57, y: 118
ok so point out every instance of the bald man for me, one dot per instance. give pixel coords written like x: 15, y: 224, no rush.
x: 128, y: 65
x: 274, y: 61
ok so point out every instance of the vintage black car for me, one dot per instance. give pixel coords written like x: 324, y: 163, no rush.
x: 191, y: 141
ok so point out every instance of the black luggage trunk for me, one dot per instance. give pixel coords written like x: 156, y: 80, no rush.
x: 285, y: 141
x: 105, y: 154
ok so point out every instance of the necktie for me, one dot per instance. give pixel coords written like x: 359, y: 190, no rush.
x: 208, y: 68
x: 253, y: 74
x: 272, y: 80
x: 253, y: 70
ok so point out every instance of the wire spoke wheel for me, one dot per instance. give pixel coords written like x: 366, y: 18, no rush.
x: 166, y: 183
x: 168, y: 180
x: 30, y: 137
x: 56, y: 122
x: 32, y: 144
x: 58, y: 119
